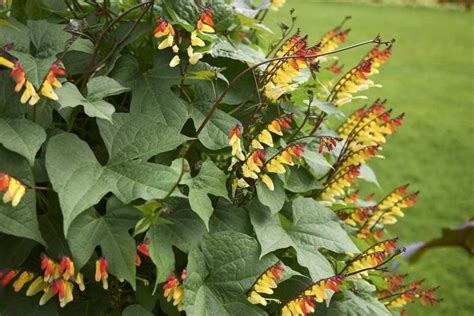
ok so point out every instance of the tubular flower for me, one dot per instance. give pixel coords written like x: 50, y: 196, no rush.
x: 304, y: 303
x: 29, y: 94
x: 37, y: 286
x: 234, y: 141
x: 329, y: 142
x: 6, y: 276
x: 79, y: 279
x: 386, y: 246
x: 284, y: 75
x: 253, y: 163
x: 59, y: 287
x: 265, y: 284
x: 174, y: 291
x: 379, y: 57
x: 276, y: 5
x: 101, y: 273
x: 276, y: 127
x: 344, y: 178
x: 66, y: 268
x: 142, y: 248
x: 50, y: 268
x: 205, y: 23
x: 13, y: 189
x: 24, y: 278
x: 6, y: 63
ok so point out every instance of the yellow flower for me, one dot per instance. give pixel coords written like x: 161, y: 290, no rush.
x: 195, y: 40
x: 265, y: 284
x: 36, y: 286
x: 193, y: 57
x: 5, y: 62
x: 47, y: 91
x: 234, y: 141
x: 167, y: 42
x: 175, y: 61
x: 274, y: 166
x: 276, y: 5
x: 29, y: 94
x: 24, y: 278
x: 15, y: 191
x: 265, y: 137
x: 268, y: 182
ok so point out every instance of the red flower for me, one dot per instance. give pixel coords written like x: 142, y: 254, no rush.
x: 7, y: 276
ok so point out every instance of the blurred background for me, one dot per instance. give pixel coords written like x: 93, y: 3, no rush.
x: 430, y: 77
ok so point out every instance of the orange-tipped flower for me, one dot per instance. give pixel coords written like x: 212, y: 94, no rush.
x: 174, y: 291
x: 142, y: 248
x: 13, y: 188
x: 206, y: 23
x: 342, y: 179
x: 66, y: 267
x: 265, y: 284
x: 234, y: 141
x: 101, y: 273
x: 49, y: 267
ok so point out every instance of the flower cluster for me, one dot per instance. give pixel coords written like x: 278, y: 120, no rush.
x: 284, y: 75
x: 357, y: 79
x: 333, y: 38
x: 57, y: 279
x: 265, y: 284
x: 386, y: 211
x: 142, y: 249
x: 165, y: 30
x: 409, y: 295
x: 304, y: 303
x: 369, y: 126
x: 13, y: 189
x: 340, y: 180
x: 371, y: 258
x: 30, y: 94
x: 172, y: 290
x: 254, y: 165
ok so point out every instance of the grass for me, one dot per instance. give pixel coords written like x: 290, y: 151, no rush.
x: 430, y: 78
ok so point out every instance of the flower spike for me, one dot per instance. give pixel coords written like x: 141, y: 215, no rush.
x: 265, y: 284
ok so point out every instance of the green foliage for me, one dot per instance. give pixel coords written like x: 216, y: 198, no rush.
x: 120, y: 169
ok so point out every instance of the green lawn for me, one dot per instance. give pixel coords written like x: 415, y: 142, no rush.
x: 430, y: 78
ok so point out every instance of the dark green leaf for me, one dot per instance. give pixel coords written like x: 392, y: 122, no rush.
x: 220, y: 274
x: 273, y: 199
x: 215, y: 134
x: 211, y: 180
x: 313, y: 227
x: 110, y: 232
x: 22, y: 136
x: 81, y: 181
